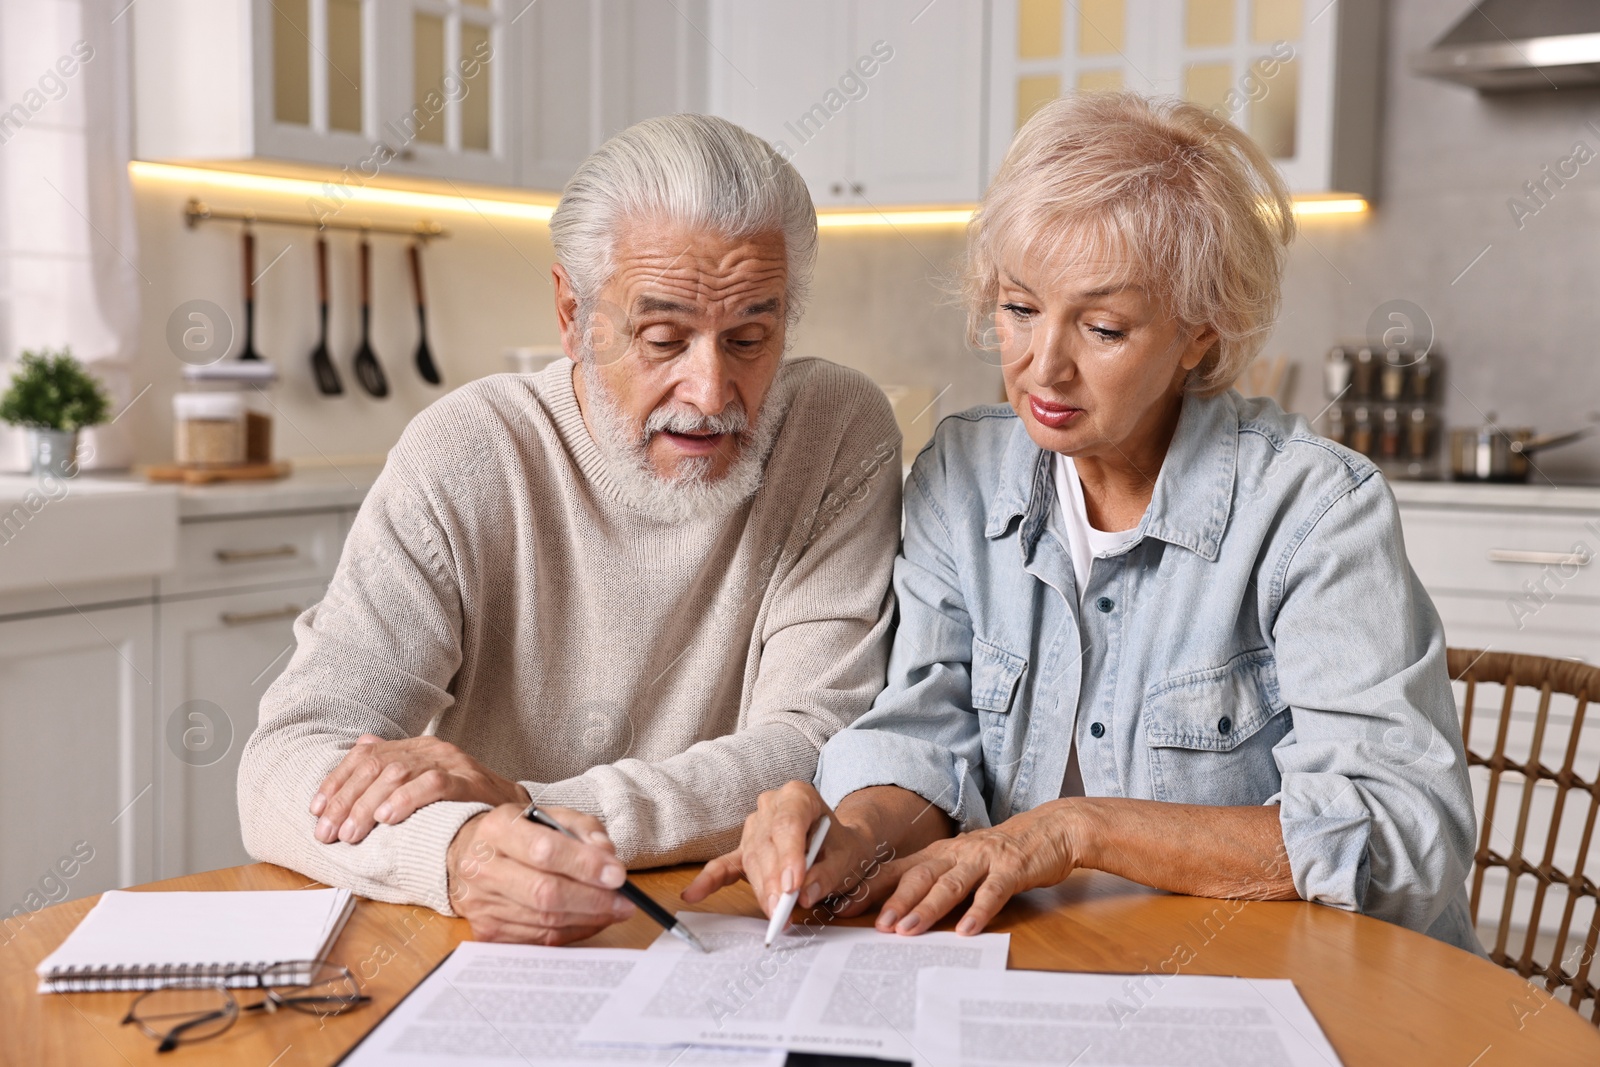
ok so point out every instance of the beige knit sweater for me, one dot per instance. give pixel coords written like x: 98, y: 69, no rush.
x: 656, y: 676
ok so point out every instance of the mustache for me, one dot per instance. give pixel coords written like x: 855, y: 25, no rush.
x: 732, y: 419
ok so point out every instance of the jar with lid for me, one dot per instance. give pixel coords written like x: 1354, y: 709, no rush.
x: 209, y: 429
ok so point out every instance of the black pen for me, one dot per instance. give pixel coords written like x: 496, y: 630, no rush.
x: 668, y: 921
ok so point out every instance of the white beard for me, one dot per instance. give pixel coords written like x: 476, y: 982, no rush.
x: 692, y: 492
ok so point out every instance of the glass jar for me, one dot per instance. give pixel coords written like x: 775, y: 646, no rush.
x: 209, y: 429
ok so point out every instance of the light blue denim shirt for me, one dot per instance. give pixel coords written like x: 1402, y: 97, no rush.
x: 1262, y: 640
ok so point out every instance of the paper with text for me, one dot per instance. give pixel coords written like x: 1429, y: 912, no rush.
x: 1034, y: 1017
x: 511, y: 1004
x: 839, y: 989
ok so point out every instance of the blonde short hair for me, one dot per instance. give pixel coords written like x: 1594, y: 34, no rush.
x: 1192, y: 206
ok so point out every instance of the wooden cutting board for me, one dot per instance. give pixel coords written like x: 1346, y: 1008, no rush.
x: 245, y: 472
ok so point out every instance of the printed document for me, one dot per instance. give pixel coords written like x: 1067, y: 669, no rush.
x: 1035, y: 1017
x: 838, y: 989
x: 492, y: 1005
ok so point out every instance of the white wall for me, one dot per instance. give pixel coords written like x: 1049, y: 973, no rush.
x: 875, y: 306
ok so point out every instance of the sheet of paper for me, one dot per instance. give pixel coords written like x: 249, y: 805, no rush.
x: 492, y: 1005
x: 819, y: 988
x: 1034, y: 1017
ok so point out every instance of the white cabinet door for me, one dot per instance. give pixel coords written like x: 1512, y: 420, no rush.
x: 415, y: 87
x: 775, y: 70
x: 1302, y: 79
x: 591, y: 68
x: 218, y: 655
x: 76, y: 734
x: 918, y: 128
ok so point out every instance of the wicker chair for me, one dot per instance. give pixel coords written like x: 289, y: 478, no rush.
x: 1566, y: 969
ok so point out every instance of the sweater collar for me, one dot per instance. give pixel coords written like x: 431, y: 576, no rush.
x: 555, y: 386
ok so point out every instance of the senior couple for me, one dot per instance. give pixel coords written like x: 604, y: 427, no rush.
x: 1137, y: 622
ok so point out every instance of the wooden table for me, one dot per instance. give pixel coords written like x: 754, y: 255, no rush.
x: 1384, y: 995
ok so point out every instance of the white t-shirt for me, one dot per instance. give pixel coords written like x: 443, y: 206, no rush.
x: 1085, y: 544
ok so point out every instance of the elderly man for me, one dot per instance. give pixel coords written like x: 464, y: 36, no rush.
x: 640, y: 587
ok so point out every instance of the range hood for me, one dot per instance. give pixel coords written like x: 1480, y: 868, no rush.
x: 1518, y: 45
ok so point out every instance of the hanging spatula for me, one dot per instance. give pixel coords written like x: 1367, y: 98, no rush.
x: 425, y: 365
x: 322, y: 367
x: 369, y: 372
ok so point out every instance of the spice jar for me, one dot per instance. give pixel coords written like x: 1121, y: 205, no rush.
x: 210, y: 429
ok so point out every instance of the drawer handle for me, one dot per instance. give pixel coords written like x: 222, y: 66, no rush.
x: 251, y: 555
x: 1547, y: 559
x: 245, y: 618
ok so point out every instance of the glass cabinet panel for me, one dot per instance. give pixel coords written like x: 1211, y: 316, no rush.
x: 344, y: 65
x: 291, y: 62
x: 1208, y: 23
x: 1039, y: 29
x: 1275, y: 20
x: 475, y: 103
x: 1102, y: 26
x: 427, y: 75
x: 1272, y: 117
x: 1033, y: 92
x: 1207, y: 84
x: 1095, y: 80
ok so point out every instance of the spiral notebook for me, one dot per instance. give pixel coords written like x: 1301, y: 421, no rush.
x: 148, y: 940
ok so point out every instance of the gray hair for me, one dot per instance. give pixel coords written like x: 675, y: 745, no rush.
x: 696, y: 170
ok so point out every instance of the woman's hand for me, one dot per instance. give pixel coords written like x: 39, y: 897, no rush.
x: 382, y: 781
x: 772, y: 855
x: 1026, y: 851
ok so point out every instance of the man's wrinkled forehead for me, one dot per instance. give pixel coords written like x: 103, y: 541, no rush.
x: 664, y: 271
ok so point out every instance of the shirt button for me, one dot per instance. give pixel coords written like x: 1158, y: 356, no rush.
x: 1224, y: 725
x: 1105, y: 603
x: 1098, y: 729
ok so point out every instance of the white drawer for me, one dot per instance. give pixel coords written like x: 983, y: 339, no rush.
x: 1501, y: 552
x: 236, y: 553
x: 1562, y: 628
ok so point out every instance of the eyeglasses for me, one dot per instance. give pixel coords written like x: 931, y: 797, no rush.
x: 194, y: 1011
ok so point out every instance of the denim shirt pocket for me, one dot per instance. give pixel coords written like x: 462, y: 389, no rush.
x: 995, y: 677
x: 1211, y: 733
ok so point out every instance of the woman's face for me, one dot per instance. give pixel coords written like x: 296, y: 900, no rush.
x: 1093, y: 364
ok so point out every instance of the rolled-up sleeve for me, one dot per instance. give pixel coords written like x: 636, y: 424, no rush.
x: 1375, y: 802
x: 922, y: 733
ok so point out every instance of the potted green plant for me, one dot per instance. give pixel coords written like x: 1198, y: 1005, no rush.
x: 53, y: 397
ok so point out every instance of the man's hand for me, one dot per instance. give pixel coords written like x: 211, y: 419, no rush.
x: 772, y: 855
x: 382, y: 781
x: 517, y: 881
x: 1035, y: 848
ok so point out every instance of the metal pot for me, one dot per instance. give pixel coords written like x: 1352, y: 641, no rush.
x: 1493, y: 453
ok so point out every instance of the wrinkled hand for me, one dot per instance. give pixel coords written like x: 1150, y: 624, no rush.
x: 517, y: 881
x: 772, y: 856
x: 993, y: 865
x: 382, y: 781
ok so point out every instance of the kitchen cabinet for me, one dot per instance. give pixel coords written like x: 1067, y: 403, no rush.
x: 413, y: 87
x: 219, y: 653
x: 77, y: 728
x: 1513, y: 569
x: 875, y: 104
x: 1301, y: 77
x: 225, y: 622
x: 595, y: 67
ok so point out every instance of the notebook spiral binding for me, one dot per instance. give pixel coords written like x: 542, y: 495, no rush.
x: 107, y: 978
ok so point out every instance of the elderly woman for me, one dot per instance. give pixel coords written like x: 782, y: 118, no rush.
x: 1146, y: 626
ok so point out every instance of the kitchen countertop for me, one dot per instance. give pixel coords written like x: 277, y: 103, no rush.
x: 345, y: 486
x: 1479, y: 495
x: 307, y: 489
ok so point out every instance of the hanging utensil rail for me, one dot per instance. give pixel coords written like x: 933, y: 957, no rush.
x: 198, y: 211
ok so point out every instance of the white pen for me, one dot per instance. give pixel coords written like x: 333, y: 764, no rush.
x: 786, y: 903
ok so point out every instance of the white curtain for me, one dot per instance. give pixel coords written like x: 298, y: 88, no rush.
x: 68, y: 247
